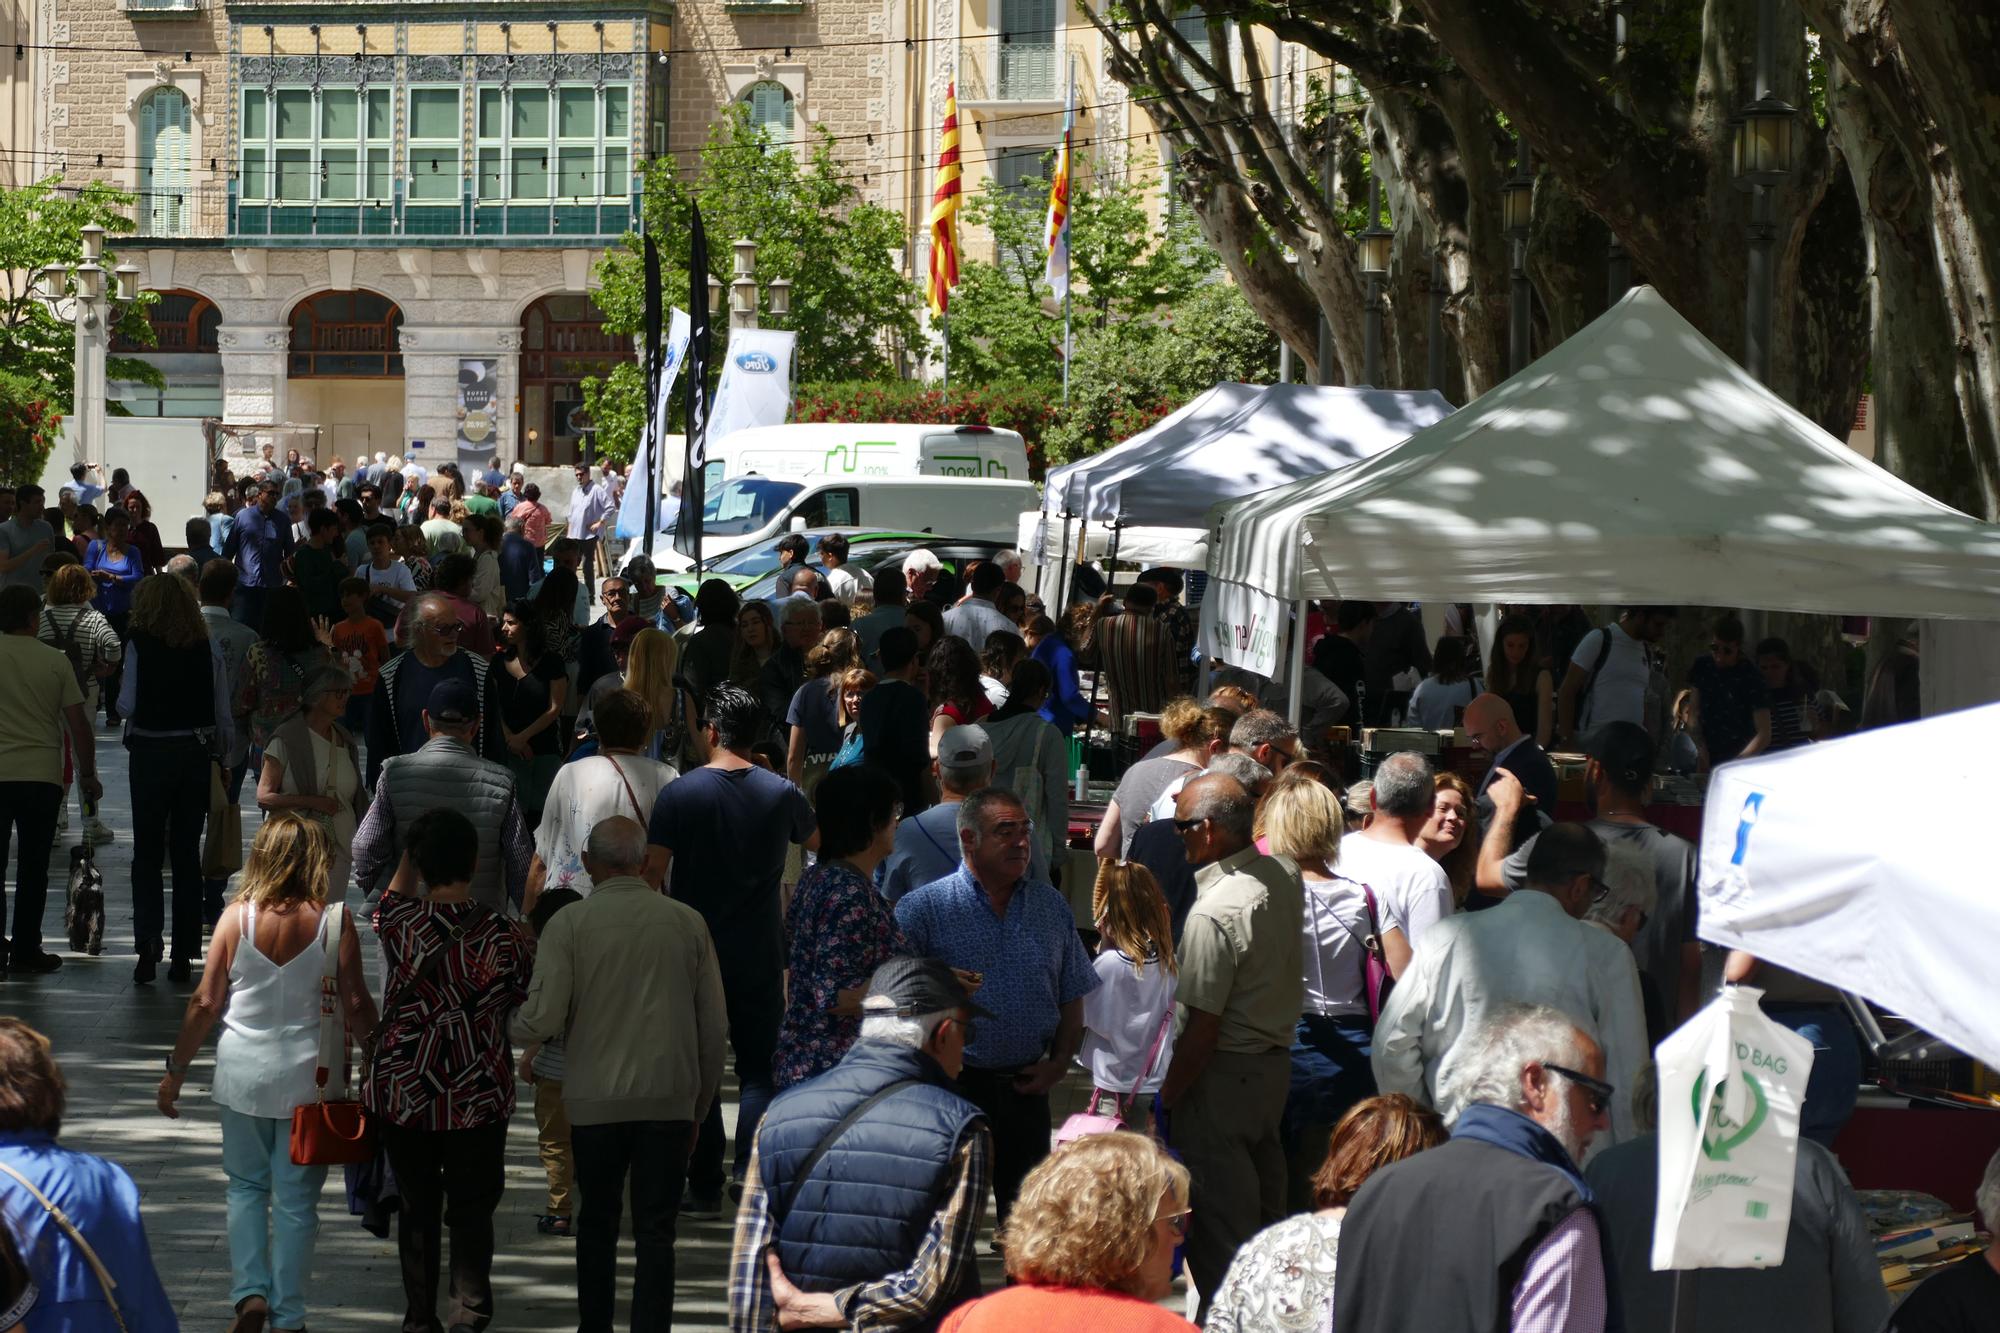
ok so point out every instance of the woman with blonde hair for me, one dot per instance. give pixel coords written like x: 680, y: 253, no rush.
x: 812, y: 720
x: 70, y: 624
x: 1198, y: 734
x: 1128, y: 1020
x: 650, y: 667
x: 268, y: 963
x: 756, y: 640
x: 1330, y: 1053
x: 1090, y: 1242
x: 1282, y: 1278
x: 1452, y: 835
x: 175, y: 697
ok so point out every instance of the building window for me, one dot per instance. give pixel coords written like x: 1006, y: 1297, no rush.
x: 536, y: 144
x: 1193, y: 29
x: 1028, y: 50
x: 772, y: 111
x: 182, y: 322
x: 434, y: 136
x: 189, y: 396
x: 346, y: 335
x: 166, y: 124
x: 1022, y: 177
x: 564, y: 342
x: 299, y: 148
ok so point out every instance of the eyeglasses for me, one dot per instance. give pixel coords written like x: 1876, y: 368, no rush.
x: 610, y: 593
x: 1595, y: 1090
x: 965, y: 1028
x: 446, y: 627
x: 1188, y: 825
x: 1599, y: 890
x: 1179, y: 1222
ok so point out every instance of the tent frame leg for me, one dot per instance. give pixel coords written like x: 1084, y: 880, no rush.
x: 1295, y: 711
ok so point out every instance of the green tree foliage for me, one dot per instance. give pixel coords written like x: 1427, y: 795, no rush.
x: 852, y: 307
x: 42, y: 225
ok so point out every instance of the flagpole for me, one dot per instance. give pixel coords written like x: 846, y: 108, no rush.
x: 1069, y: 105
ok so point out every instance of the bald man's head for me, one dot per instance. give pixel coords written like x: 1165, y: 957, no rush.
x: 1490, y: 722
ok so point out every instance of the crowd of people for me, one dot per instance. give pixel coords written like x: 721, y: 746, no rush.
x: 1361, y: 1055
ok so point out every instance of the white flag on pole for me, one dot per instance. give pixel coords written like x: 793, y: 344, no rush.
x: 632, y: 506
x: 756, y: 387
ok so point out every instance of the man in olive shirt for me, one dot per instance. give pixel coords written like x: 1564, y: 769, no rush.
x: 1241, y: 990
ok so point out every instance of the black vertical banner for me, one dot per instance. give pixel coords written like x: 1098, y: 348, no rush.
x: 687, y: 533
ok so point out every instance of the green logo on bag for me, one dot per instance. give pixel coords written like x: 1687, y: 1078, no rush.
x: 1724, y: 1135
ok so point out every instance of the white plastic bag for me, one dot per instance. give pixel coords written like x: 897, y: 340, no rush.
x: 1731, y: 1085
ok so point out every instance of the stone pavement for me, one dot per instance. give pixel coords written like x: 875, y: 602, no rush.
x: 110, y: 1037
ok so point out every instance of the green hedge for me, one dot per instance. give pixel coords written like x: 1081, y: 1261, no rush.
x: 1030, y: 409
x: 28, y: 424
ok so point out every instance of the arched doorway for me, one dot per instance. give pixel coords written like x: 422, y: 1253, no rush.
x: 166, y: 130
x: 345, y: 372
x: 563, y: 343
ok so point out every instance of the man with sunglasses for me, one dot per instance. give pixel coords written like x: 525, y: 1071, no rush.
x: 1534, y: 948
x: 1511, y: 1236
x: 863, y: 1200
x: 396, y: 724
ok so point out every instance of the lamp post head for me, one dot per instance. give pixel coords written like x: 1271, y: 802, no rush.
x: 714, y: 293
x: 1377, y: 245
x: 746, y: 258
x: 93, y: 243
x: 1763, y: 146
x: 127, y: 285
x: 1517, y: 205
x: 90, y: 280
x: 781, y: 297
x: 52, y: 281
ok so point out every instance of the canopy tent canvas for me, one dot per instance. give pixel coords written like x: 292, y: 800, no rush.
x: 1163, y: 485
x: 1636, y: 463
x: 1798, y: 866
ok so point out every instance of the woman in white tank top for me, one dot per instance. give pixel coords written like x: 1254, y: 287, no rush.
x: 264, y: 980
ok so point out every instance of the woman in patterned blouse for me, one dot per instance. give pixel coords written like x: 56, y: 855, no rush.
x: 1282, y: 1278
x: 841, y: 929
x: 440, y: 1081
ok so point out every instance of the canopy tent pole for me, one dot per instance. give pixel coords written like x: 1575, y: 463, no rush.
x: 1059, y: 607
x: 1110, y: 574
x: 1295, y: 711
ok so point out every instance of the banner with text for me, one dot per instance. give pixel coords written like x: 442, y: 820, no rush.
x: 655, y: 468
x: 756, y: 387
x: 1244, y: 627
x: 478, y: 425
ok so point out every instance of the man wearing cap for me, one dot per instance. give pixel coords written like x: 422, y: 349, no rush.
x: 927, y: 842
x: 628, y: 979
x: 259, y: 542
x: 403, y: 689
x: 446, y: 770
x: 1535, y: 948
x: 988, y: 917
x: 1659, y: 865
x: 867, y: 1184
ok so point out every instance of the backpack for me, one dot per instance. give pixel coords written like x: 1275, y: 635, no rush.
x: 66, y: 641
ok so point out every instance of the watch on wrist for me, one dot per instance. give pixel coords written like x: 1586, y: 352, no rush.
x: 178, y: 1071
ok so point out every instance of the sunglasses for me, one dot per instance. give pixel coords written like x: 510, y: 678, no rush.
x: 1595, y: 1090
x: 1188, y: 825
x: 447, y: 627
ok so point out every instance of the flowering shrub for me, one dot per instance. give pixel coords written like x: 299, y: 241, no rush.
x: 28, y: 428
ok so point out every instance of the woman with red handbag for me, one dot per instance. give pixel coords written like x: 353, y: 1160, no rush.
x: 266, y: 976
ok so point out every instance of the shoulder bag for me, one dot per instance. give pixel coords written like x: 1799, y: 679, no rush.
x: 330, y: 1133
x: 1090, y: 1120
x: 69, y: 1228
x: 1375, y: 979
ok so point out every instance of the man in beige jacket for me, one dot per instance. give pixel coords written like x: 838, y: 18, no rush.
x: 628, y: 978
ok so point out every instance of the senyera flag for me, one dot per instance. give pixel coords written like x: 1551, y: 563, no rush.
x: 1055, y: 241
x: 944, y: 210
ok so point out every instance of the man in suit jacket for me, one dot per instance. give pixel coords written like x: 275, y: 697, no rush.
x: 1490, y: 722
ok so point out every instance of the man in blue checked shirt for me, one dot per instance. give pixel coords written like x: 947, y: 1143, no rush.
x: 1019, y: 937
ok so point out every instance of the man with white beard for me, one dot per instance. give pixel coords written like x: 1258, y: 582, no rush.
x: 1511, y: 1233
x: 1534, y: 948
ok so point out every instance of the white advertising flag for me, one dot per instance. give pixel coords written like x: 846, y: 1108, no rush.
x: 1731, y: 1085
x: 756, y: 388
x: 1244, y: 627
x: 632, y: 505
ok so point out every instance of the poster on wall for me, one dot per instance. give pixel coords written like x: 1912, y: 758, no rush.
x: 478, y: 421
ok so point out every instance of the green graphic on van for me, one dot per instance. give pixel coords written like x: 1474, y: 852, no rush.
x: 1723, y: 1135
x: 849, y: 457
x: 967, y: 465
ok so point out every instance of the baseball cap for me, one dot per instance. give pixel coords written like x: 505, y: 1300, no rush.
x: 451, y: 701
x: 1625, y: 750
x: 907, y: 987
x: 964, y: 747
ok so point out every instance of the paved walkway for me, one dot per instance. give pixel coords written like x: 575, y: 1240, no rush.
x: 110, y: 1037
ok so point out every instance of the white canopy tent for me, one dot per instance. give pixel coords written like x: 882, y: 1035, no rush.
x: 1799, y: 867
x: 1163, y: 482
x: 1635, y: 463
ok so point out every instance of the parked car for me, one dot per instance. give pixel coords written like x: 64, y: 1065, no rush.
x: 754, y: 572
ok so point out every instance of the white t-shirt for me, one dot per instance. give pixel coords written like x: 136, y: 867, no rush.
x: 397, y: 575
x: 1433, y: 703
x: 584, y: 793
x: 1412, y: 892
x: 1336, y: 921
x: 847, y: 584
x: 1120, y: 1020
x: 1619, y: 694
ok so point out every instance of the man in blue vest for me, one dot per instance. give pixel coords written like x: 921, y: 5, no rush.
x: 862, y: 1204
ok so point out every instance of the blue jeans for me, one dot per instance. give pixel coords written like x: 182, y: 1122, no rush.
x: 1330, y: 1073
x: 1835, y: 1083
x: 756, y: 1007
x: 273, y: 1214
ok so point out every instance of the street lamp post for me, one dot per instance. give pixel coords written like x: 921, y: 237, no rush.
x: 77, y: 296
x: 1761, y: 154
x: 743, y: 290
x: 1517, y: 215
x: 1377, y: 245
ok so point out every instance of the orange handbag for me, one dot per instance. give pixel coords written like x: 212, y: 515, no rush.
x: 337, y: 1132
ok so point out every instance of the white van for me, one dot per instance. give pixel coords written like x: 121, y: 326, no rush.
x: 868, y: 449
x: 745, y: 511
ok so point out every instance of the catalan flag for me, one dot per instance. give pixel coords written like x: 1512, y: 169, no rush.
x: 1056, y: 240
x: 944, y: 210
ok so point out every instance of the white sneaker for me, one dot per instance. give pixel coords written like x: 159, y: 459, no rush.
x: 99, y: 831
x: 62, y: 818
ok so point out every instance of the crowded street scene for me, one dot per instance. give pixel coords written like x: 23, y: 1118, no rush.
x: 1050, y: 667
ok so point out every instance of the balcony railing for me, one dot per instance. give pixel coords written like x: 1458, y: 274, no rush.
x: 401, y: 221
x: 200, y: 212
x: 164, y: 8
x: 1013, y: 67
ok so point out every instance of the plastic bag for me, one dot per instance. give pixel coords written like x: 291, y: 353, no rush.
x: 1731, y: 1085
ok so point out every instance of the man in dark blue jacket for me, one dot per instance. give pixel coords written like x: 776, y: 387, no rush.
x: 863, y: 1198
x: 520, y: 562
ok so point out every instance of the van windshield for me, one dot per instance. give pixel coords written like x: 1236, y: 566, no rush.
x: 745, y: 504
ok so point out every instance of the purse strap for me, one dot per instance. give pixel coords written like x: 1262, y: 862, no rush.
x: 630, y: 795
x: 104, y: 1278
x: 820, y: 1149
x: 1125, y: 1100
x: 332, y: 1036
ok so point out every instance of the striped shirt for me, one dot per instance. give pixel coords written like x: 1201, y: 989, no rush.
x: 1136, y: 654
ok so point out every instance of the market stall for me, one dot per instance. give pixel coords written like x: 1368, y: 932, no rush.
x: 1635, y: 463
x: 1155, y: 490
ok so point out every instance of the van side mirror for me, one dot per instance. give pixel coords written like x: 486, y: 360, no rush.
x: 798, y: 522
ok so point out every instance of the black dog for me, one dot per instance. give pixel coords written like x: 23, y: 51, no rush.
x: 85, y: 914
